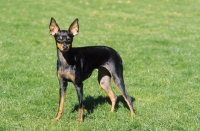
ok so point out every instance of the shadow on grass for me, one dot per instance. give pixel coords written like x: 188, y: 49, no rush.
x: 91, y: 103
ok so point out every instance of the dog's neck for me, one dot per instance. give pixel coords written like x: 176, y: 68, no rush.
x: 63, y: 58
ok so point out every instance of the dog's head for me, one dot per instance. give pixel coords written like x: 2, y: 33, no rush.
x: 63, y: 38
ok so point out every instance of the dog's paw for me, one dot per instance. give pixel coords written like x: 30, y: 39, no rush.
x: 80, y: 119
x: 55, y: 119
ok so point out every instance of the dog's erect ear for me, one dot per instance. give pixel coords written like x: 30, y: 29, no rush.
x: 53, y: 27
x: 74, y: 27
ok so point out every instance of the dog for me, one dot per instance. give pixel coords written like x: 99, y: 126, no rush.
x: 76, y: 65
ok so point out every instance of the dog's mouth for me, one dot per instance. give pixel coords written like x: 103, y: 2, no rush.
x: 66, y: 47
x: 63, y: 47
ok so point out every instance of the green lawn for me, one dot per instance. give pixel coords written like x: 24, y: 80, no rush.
x: 158, y: 41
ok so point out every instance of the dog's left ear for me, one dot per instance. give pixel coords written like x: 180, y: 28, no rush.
x: 53, y: 27
x: 74, y: 27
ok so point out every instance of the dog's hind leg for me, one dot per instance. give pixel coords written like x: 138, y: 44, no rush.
x: 104, y: 81
x: 119, y: 83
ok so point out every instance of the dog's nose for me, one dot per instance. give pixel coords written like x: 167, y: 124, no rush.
x: 64, y: 46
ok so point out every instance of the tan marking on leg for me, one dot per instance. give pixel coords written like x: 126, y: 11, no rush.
x: 129, y: 105
x: 111, y: 95
x: 104, y: 82
x: 80, y: 115
x: 60, y: 109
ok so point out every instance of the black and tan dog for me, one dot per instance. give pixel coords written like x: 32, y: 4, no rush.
x: 76, y: 64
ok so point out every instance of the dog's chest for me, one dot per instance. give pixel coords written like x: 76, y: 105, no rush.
x: 66, y: 71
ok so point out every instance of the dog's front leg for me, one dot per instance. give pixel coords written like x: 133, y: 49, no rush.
x: 79, y: 89
x: 62, y: 92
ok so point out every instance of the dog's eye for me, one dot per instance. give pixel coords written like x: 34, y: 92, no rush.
x: 59, y: 38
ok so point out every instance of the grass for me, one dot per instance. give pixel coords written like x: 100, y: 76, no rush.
x: 158, y: 41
